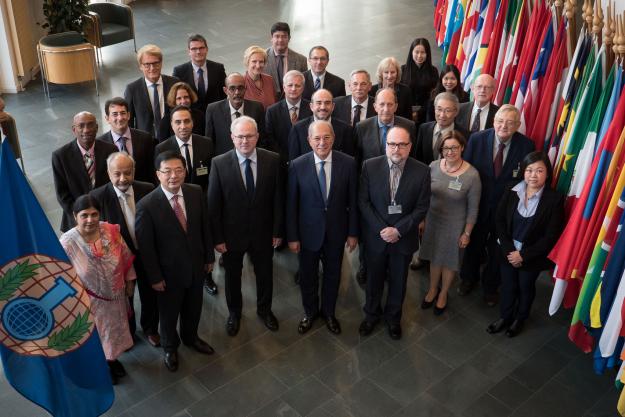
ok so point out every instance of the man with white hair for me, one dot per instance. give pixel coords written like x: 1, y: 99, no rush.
x: 478, y: 114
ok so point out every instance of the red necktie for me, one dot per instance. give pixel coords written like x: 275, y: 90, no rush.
x: 180, y: 213
x: 498, y: 162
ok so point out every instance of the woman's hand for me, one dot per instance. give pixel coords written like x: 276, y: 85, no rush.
x: 463, y: 241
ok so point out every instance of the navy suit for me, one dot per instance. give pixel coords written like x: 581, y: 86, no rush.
x: 344, y: 111
x: 298, y: 138
x: 321, y: 228
x: 216, y: 75
x: 278, y: 125
x: 142, y: 152
x: 331, y: 82
x: 218, y: 121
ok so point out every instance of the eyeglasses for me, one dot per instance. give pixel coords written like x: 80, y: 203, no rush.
x: 446, y: 112
x: 170, y: 172
x: 484, y: 87
x: 506, y: 123
x: 453, y: 149
x: 318, y: 139
x: 318, y: 58
x: 155, y: 64
x: 119, y: 114
x: 398, y: 145
x: 236, y: 88
x: 199, y: 49
x: 244, y: 137
x: 86, y: 125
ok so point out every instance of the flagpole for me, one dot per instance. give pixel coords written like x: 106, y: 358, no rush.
x: 608, y: 35
x: 570, y: 7
x: 597, y: 22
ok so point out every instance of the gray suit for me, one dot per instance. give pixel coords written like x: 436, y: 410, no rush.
x: 295, y: 61
x: 368, y: 144
x: 463, y: 119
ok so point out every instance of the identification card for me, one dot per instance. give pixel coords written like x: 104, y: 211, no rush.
x: 515, y: 172
x: 394, y: 209
x: 455, y: 185
x: 201, y: 171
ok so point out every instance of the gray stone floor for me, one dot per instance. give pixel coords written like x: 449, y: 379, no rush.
x: 444, y: 366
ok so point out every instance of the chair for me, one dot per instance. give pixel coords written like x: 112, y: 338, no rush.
x: 108, y: 24
x: 9, y: 129
x: 65, y: 58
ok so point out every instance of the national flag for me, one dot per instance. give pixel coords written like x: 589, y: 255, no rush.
x: 487, y: 30
x: 511, y: 60
x: 469, y: 29
x: 452, y: 37
x: 492, y: 54
x: 466, y: 73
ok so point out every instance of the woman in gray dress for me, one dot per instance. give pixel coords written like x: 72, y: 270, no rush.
x: 446, y: 231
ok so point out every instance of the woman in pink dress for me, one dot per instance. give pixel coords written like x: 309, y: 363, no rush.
x: 104, y: 264
x: 258, y: 86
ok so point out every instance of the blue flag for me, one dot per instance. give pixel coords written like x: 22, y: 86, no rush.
x: 49, y: 346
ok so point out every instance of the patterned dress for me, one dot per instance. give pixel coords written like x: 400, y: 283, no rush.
x: 104, y: 267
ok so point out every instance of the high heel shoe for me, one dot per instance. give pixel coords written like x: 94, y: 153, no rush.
x: 427, y: 304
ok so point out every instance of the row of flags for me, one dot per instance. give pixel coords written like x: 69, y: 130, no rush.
x: 572, y: 104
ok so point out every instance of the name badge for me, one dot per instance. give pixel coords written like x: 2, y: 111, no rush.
x: 394, y: 209
x: 201, y: 171
x: 515, y: 172
x: 455, y: 185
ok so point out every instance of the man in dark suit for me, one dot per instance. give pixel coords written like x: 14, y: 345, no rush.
x: 478, y: 115
x: 147, y: 96
x: 322, y: 107
x: 431, y: 133
x: 79, y: 166
x: 219, y: 115
x: 322, y: 218
x: 118, y: 200
x: 357, y: 106
x: 496, y: 154
x: 280, y: 58
x: 138, y: 144
x: 246, y: 206
x: 393, y: 197
x: 317, y: 77
x: 205, y: 77
x: 173, y: 232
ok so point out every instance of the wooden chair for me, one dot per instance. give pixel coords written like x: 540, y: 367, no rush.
x: 108, y: 24
x: 9, y: 130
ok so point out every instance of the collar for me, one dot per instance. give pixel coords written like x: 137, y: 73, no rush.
x: 233, y: 110
x: 170, y: 195
x: 329, y: 119
x: 195, y: 67
x: 241, y: 158
x: 83, y: 151
x: 321, y: 77
x: 364, y: 104
x: 297, y: 104
x: 498, y: 141
x: 149, y: 83
x: 521, y: 189
x: 116, y: 137
x: 402, y: 164
x: 449, y: 128
x: 483, y: 109
x: 327, y: 160
x: 120, y: 194
x: 180, y: 142
x: 380, y: 124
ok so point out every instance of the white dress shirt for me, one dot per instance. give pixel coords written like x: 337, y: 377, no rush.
x: 161, y: 98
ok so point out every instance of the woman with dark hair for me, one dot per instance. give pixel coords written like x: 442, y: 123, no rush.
x: 420, y: 75
x: 104, y: 264
x: 529, y: 220
x: 449, y: 81
x: 181, y: 94
x: 388, y: 74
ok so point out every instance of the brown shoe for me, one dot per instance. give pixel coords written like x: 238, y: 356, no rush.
x: 154, y: 339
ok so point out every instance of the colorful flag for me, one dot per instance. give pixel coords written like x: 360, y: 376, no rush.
x: 511, y: 60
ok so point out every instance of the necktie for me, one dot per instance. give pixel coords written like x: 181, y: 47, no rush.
x: 317, y: 83
x: 122, y: 144
x: 383, y: 136
x: 395, y: 176
x: 179, y: 213
x: 156, y: 107
x: 237, y: 114
x: 322, y: 182
x: 280, y: 69
x: 498, y: 162
x: 249, y: 178
x: 293, y: 115
x: 437, y: 144
x: 128, y: 209
x: 476, y: 122
x: 201, y: 89
x: 90, y: 166
x: 357, y: 110
x: 187, y: 157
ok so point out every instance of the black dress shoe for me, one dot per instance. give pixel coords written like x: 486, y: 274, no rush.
x: 171, y: 361
x: 202, y: 347
x: 117, y: 368
x: 333, y: 325
x: 114, y: 378
x: 515, y: 328
x: 497, y: 326
x: 394, y: 331
x: 361, y: 277
x: 306, y: 324
x: 232, y: 325
x: 427, y: 304
x: 270, y: 321
x: 366, y: 327
x: 209, y: 285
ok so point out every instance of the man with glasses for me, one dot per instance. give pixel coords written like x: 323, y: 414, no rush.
x: 497, y: 154
x: 478, y: 114
x: 146, y: 97
x: 246, y: 207
x: 393, y: 198
x: 280, y: 58
x: 317, y: 77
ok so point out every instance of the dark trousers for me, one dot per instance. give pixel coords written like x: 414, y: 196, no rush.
x: 149, y: 303
x: 332, y: 258
x: 518, y: 289
x: 361, y: 255
x: 185, y: 303
x: 262, y: 260
x: 377, y: 266
x: 483, y: 236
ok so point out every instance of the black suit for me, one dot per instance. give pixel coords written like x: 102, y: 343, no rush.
x: 331, y: 82
x: 246, y: 225
x: 463, y: 118
x: 369, y: 143
x: 390, y: 260
x: 216, y: 76
x: 71, y: 179
x: 298, y: 137
x: 140, y: 106
x: 404, y: 99
x: 203, y: 152
x: 218, y: 121
x: 142, y: 152
x: 111, y: 212
x: 424, y: 146
x: 343, y: 109
x: 176, y: 257
x: 278, y: 125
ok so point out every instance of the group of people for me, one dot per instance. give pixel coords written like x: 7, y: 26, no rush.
x: 203, y: 162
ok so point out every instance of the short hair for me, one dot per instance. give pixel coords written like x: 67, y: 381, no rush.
x: 196, y: 37
x: 323, y: 48
x: 232, y: 74
x: 454, y: 134
x: 396, y: 127
x: 149, y: 49
x: 534, y: 157
x: 317, y: 123
x: 360, y: 71
x: 312, y: 98
x: 115, y: 101
x: 84, y: 202
x: 173, y: 91
x: 447, y: 96
x: 508, y: 108
x: 385, y: 64
x: 168, y: 156
x: 236, y: 122
x: 180, y: 108
x: 112, y: 157
x: 254, y: 49
x: 392, y: 90
x: 293, y: 73
x: 281, y: 27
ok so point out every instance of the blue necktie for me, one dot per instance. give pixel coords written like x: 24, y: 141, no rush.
x: 201, y: 89
x: 322, y: 183
x: 317, y: 83
x: 383, y: 135
x: 156, y: 107
x: 249, y: 178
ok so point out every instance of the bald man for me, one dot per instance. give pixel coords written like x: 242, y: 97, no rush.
x: 478, y: 115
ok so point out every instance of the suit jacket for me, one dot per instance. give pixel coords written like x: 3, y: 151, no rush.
x: 203, y: 152
x: 343, y: 109
x: 479, y: 153
x: 278, y: 125
x: 368, y: 143
x: 413, y: 194
x: 424, y: 151
x: 111, y: 210
x: 295, y: 61
x: 142, y: 152
x: 464, y: 115
x: 216, y: 75
x: 404, y: 99
x: 236, y: 220
x: 308, y: 219
x: 331, y: 82
x: 167, y: 251
x: 71, y: 179
x: 140, y: 106
x: 543, y: 233
x: 218, y: 121
x: 298, y: 137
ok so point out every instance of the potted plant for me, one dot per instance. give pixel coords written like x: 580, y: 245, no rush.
x: 64, y: 15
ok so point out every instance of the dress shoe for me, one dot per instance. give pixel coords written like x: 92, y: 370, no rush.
x: 171, y: 361
x: 366, y: 327
x: 515, y: 328
x: 394, y: 331
x: 439, y: 310
x: 114, y: 378
x: 116, y: 368
x: 209, y: 285
x: 333, y: 325
x: 361, y: 277
x: 427, y: 304
x: 232, y: 325
x: 497, y: 326
x: 154, y: 339
x: 221, y: 260
x: 270, y: 321
x: 491, y: 299
x: 465, y: 287
x: 202, y: 347
x: 306, y: 324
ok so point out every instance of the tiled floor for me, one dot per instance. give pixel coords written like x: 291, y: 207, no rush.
x: 444, y: 366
